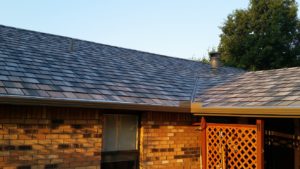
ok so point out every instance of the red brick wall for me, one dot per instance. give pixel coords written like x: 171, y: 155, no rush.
x: 170, y: 141
x: 49, y: 138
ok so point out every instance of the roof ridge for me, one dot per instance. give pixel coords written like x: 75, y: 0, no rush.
x: 98, y: 43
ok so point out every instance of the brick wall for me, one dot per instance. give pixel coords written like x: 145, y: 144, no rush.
x: 169, y: 140
x: 49, y: 138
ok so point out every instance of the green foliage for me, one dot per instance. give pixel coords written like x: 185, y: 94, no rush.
x: 203, y: 60
x: 266, y: 35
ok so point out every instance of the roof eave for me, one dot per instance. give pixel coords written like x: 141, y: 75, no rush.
x: 24, y: 100
x: 263, y: 112
x: 184, y: 107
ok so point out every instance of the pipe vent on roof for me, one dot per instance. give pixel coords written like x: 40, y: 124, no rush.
x: 71, y: 47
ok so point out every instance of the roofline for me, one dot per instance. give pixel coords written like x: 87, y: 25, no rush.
x: 264, y: 112
x: 98, y: 43
x: 33, y: 101
x: 184, y: 107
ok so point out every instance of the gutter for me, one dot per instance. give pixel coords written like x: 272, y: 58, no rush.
x: 184, y: 107
x: 264, y: 112
x: 59, y: 102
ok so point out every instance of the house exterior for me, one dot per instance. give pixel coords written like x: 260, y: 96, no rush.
x: 68, y: 103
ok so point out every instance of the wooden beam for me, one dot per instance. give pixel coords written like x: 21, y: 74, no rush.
x: 297, y: 150
x: 260, y: 144
x: 203, y: 143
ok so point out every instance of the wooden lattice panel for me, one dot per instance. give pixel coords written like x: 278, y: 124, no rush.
x: 231, y: 146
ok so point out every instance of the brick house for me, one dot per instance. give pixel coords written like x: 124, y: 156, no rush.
x: 68, y: 103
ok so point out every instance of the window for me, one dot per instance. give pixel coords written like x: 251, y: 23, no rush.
x: 120, y: 132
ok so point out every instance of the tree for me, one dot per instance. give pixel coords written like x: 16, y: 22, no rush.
x: 205, y: 59
x: 263, y: 36
x: 201, y: 59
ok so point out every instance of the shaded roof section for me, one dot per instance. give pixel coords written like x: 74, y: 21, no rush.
x: 34, y: 64
x: 271, y: 88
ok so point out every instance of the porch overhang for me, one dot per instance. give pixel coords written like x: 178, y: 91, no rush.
x: 263, y: 112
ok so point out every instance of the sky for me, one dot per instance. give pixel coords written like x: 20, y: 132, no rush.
x: 185, y: 29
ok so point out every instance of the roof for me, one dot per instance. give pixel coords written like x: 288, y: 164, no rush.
x: 271, y: 88
x: 43, y: 67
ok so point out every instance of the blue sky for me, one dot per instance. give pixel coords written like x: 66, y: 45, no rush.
x: 176, y: 28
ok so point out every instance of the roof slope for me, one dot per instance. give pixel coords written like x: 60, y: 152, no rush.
x: 39, y: 65
x: 272, y: 88
x: 43, y: 66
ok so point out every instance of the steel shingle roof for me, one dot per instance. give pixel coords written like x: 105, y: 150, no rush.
x: 278, y: 87
x: 49, y: 66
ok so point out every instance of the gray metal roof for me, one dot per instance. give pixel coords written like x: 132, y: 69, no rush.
x: 34, y: 64
x: 271, y: 88
x: 39, y: 65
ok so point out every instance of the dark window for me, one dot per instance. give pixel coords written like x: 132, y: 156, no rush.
x: 120, y: 132
x: 120, y: 145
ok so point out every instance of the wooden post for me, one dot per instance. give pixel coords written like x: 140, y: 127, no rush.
x: 297, y: 150
x: 260, y: 144
x: 203, y: 142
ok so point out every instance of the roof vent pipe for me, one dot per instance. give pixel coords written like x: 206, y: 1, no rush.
x: 71, y: 47
x: 215, y: 60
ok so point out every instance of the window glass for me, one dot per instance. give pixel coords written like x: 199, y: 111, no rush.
x: 120, y: 132
x: 110, y: 133
x: 127, y: 132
